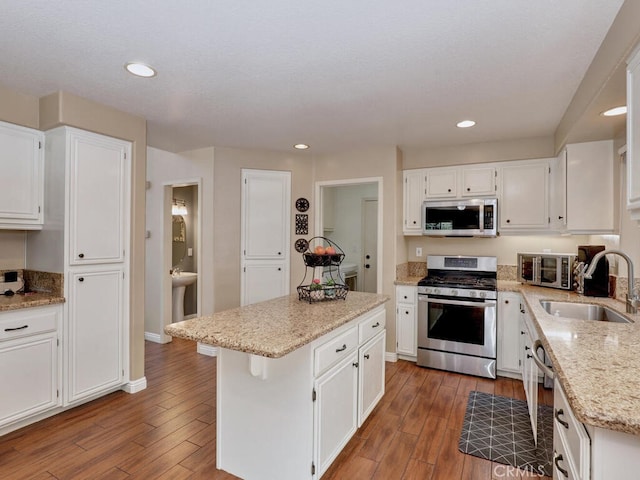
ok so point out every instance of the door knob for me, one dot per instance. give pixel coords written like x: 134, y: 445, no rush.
x: 367, y: 257
x: 367, y: 265
x: 81, y: 279
x: 81, y: 255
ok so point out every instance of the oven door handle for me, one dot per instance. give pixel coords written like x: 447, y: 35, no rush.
x: 488, y: 303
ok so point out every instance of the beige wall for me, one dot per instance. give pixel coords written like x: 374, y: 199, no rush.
x: 375, y: 162
x: 228, y: 163
x: 521, y: 149
x: 12, y: 249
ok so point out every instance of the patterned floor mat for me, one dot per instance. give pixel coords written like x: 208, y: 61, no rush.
x: 498, y: 429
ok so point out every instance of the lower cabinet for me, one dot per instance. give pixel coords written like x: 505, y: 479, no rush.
x: 264, y: 280
x: 407, y: 321
x: 371, y: 376
x: 336, y: 413
x: 509, y: 361
x: 530, y: 372
x: 95, y: 333
x: 29, y: 372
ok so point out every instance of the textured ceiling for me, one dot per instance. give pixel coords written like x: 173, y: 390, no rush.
x: 338, y: 75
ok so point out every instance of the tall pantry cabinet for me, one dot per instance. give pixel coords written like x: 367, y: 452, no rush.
x: 86, y: 237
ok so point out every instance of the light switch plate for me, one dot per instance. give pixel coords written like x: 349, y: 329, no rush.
x: 418, y: 251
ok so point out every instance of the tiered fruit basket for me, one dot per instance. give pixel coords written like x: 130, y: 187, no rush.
x: 325, y: 255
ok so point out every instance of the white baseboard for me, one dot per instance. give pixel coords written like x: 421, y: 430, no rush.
x: 209, y: 350
x: 153, y: 337
x: 390, y: 357
x: 135, y: 386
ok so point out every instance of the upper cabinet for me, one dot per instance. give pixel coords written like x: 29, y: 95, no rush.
x: 478, y: 181
x: 588, y: 182
x: 414, y: 195
x: 459, y: 182
x: 22, y: 178
x: 97, y: 201
x: 524, y: 195
x: 633, y: 134
x: 442, y: 183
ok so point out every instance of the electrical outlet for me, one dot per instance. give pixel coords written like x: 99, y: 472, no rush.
x: 418, y: 251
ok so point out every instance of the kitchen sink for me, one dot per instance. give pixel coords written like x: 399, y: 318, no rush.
x: 583, y: 311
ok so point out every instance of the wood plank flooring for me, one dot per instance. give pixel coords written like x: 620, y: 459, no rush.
x: 168, y: 430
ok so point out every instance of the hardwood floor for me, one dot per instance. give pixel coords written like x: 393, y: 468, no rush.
x: 168, y: 430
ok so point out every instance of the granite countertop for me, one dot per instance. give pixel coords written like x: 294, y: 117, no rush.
x: 597, y: 363
x: 408, y: 280
x: 19, y: 301
x: 275, y: 327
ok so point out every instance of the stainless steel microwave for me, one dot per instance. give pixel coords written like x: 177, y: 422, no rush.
x: 476, y: 217
x: 547, y: 269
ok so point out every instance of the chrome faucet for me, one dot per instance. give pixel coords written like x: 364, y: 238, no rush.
x: 632, y: 300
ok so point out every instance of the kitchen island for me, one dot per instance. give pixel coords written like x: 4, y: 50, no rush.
x: 294, y: 380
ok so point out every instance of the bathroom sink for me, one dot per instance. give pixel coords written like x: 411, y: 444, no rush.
x: 583, y: 311
x: 183, y: 279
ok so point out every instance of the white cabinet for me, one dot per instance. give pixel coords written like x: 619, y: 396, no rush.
x: 530, y: 372
x: 524, y: 195
x: 371, y: 376
x: 413, y: 195
x: 265, y: 214
x: 633, y: 134
x: 558, y: 193
x: 590, y: 197
x: 509, y: 328
x: 21, y: 181
x: 265, y: 235
x: 264, y: 281
x: 571, y: 443
x: 98, y: 205
x: 336, y: 414
x: 442, y: 183
x: 95, y: 332
x: 86, y: 236
x: 478, y: 181
x: 29, y: 372
x: 407, y: 321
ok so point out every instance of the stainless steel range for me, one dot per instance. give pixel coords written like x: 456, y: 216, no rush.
x: 457, y: 315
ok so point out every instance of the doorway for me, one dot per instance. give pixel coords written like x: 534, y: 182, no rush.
x: 349, y: 215
x: 181, y: 247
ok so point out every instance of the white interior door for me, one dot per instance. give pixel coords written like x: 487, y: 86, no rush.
x: 370, y: 245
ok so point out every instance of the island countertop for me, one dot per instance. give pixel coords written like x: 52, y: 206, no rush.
x: 275, y: 327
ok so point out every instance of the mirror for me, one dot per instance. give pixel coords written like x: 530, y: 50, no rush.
x: 179, y: 236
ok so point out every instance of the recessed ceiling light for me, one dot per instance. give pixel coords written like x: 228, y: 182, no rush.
x: 612, y: 112
x: 465, y: 124
x: 140, y: 70
x: 301, y: 146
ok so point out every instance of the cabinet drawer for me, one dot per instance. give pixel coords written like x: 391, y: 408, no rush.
x: 406, y: 294
x: 563, y: 468
x: 334, y: 350
x: 22, y: 323
x: 371, y: 326
x: 572, y: 432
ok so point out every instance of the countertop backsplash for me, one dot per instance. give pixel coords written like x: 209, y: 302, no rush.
x: 35, y: 281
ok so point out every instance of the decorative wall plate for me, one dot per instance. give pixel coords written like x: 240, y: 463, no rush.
x: 301, y: 245
x: 302, y: 224
x: 302, y: 204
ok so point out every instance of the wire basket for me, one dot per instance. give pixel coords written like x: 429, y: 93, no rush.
x: 311, y: 294
x: 320, y: 292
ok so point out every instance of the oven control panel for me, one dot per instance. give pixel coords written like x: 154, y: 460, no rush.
x: 458, y: 292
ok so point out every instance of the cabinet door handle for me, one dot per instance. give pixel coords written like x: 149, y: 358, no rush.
x: 366, y: 356
x: 341, y: 349
x: 449, y: 190
x: 522, y: 311
x: 508, y: 221
x: 279, y: 269
x: 560, y: 218
x: 414, y: 222
x: 279, y: 253
x: 468, y: 189
x: 16, y: 328
x: 406, y: 312
x: 377, y: 324
x: 521, y: 332
x: 506, y: 301
x: 557, y: 414
x: 356, y: 364
x: 81, y: 279
x: 557, y: 458
x: 81, y: 255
